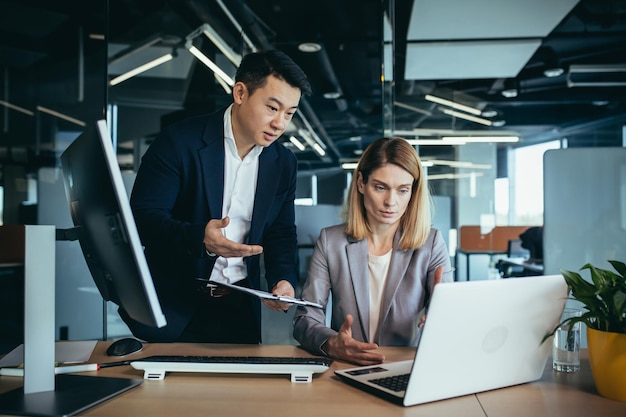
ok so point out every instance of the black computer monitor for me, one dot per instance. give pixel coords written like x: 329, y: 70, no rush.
x: 105, y: 225
x: 108, y: 236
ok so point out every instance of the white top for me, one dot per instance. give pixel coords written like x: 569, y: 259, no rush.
x: 378, y: 267
x: 240, y: 178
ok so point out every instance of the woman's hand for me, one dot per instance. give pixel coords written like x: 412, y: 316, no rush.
x: 438, y: 279
x: 345, y: 348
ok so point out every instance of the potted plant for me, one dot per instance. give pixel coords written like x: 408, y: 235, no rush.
x: 604, y: 314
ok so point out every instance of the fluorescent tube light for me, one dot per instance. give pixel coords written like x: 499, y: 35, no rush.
x: 212, y: 65
x: 61, y: 116
x: 217, y: 40
x: 419, y: 132
x: 142, y: 68
x: 596, y: 75
x: 225, y: 86
x: 454, y: 176
x: 125, y: 53
x: 412, y: 108
x: 297, y: 143
x: 459, y: 164
x: 483, y: 139
x: 454, y: 105
x: 17, y: 108
x: 436, y: 142
x: 309, y: 134
x: 351, y: 166
x: 467, y: 117
x: 319, y: 149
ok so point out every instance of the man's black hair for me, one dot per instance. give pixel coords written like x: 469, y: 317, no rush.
x: 257, y: 66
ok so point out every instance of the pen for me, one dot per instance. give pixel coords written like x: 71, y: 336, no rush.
x: 57, y: 370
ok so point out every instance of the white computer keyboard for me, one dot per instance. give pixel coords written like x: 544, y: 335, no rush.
x: 300, y: 369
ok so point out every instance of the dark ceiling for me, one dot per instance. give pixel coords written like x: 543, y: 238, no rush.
x: 38, y: 54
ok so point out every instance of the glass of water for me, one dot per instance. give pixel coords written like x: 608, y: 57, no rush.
x: 566, y: 344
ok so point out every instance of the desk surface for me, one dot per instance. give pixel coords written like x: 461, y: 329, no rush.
x: 190, y: 394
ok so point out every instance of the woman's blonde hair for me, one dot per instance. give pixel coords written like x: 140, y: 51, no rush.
x: 417, y: 219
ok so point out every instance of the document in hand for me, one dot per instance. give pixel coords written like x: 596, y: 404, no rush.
x: 268, y: 296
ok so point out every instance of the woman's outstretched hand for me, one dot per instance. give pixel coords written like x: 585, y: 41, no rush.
x: 345, y: 348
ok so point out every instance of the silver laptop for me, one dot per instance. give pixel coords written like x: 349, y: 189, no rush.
x: 478, y: 336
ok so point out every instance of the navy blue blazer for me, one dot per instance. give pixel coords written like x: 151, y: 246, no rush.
x: 178, y: 189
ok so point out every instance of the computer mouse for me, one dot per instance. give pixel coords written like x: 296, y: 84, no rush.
x: 123, y: 347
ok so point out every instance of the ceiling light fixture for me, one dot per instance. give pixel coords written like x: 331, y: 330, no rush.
x: 210, y: 64
x: 423, y: 132
x: 319, y: 149
x: 310, y: 136
x: 553, y: 67
x: 468, y: 117
x: 332, y: 95
x: 483, y: 139
x: 297, y: 143
x: 454, y: 105
x: 553, y: 72
x: 436, y: 142
x: 133, y: 49
x: 509, y: 93
x: 309, y: 47
x: 454, y: 176
x: 419, y: 132
x: 142, y: 68
x: 609, y: 75
x: 510, y: 89
x: 218, y: 41
x: 459, y: 164
x: 61, y: 115
x: 17, y: 108
x: 412, y: 108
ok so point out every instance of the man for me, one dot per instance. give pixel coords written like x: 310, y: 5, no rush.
x: 214, y: 192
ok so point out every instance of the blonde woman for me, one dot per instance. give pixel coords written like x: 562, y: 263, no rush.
x: 380, y: 266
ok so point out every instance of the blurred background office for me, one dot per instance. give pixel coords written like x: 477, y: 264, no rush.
x: 518, y: 110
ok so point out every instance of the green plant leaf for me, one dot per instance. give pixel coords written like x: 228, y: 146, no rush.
x: 604, y: 297
x: 620, y: 267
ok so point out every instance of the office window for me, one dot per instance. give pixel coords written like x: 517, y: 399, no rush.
x: 526, y: 183
x: 501, y: 198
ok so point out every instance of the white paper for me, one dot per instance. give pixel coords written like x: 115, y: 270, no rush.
x: 267, y: 295
x: 65, y: 352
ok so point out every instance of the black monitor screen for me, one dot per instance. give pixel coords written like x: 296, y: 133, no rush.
x: 106, y: 228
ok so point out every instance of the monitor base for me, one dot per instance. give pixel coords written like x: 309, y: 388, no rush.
x: 73, y: 394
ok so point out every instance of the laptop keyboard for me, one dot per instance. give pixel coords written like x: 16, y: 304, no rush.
x: 395, y: 383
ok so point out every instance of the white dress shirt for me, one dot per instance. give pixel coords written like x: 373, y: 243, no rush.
x: 240, y: 178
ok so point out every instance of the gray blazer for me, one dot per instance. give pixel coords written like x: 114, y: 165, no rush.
x: 339, y: 267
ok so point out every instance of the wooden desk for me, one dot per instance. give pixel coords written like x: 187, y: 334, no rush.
x: 195, y: 394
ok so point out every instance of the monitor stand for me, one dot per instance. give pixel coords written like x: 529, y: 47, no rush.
x: 43, y: 393
x: 72, y: 395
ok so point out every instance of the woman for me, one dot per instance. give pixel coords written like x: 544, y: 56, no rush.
x: 380, y: 266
